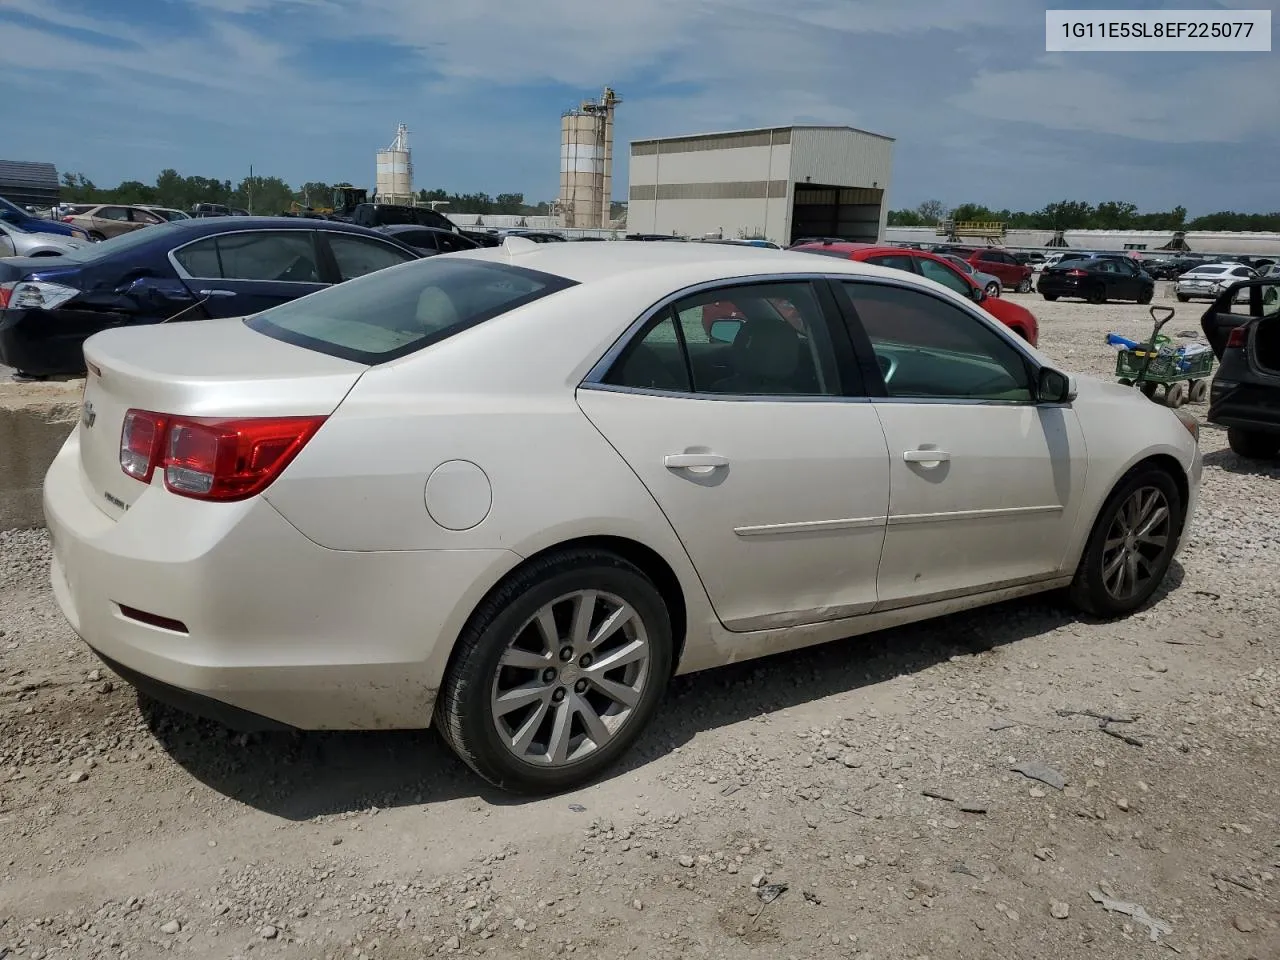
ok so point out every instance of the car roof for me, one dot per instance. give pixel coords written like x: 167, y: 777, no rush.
x: 587, y: 263
x: 197, y: 226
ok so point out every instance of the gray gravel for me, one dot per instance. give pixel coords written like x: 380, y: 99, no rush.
x: 866, y: 786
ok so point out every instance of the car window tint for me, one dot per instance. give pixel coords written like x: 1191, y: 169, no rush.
x: 358, y: 256
x: 385, y: 315
x: 653, y: 361
x: 928, y: 348
x: 112, y: 213
x: 451, y: 242
x: 417, y: 238
x: 896, y: 261
x: 1107, y: 266
x: 283, y: 256
x: 200, y: 259
x: 945, y: 276
x: 767, y: 339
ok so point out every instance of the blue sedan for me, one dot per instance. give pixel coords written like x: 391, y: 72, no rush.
x: 185, y: 270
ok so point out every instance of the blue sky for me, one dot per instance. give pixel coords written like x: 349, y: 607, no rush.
x: 310, y: 89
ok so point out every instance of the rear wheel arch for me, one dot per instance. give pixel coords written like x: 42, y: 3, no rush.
x: 647, y: 560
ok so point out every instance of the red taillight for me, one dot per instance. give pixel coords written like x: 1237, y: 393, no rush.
x: 141, y: 443
x: 6, y: 291
x: 1238, y: 337
x: 1076, y: 273
x: 209, y: 458
x: 68, y: 219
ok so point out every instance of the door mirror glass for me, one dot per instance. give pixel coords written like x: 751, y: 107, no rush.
x: 724, y: 331
x: 978, y: 294
x: 1054, y: 386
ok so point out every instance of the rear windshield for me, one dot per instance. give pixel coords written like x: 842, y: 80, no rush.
x: 1208, y: 271
x: 395, y: 312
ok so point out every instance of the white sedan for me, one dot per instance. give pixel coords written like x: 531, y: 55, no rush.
x: 512, y: 491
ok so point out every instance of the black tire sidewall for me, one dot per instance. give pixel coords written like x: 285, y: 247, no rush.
x: 1253, y: 444
x: 468, y: 687
x: 1088, y: 590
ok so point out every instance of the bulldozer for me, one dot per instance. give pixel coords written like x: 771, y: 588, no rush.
x: 343, y: 204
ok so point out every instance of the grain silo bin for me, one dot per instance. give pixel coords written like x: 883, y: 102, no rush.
x: 586, y: 162
x: 395, y: 170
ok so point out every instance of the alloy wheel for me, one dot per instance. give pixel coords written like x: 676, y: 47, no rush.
x: 1138, y: 536
x: 570, y: 678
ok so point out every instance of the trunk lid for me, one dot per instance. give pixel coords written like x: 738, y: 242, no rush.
x: 205, y: 368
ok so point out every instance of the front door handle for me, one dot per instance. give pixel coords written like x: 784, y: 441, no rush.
x: 217, y: 293
x: 926, y: 458
x: 695, y: 462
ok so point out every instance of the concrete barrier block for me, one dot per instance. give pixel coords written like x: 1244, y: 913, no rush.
x: 35, y: 419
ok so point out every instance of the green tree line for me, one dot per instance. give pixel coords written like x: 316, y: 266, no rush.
x: 1080, y: 215
x: 269, y: 195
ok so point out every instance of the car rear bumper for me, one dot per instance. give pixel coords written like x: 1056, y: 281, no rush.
x: 1246, y: 406
x: 49, y: 342
x: 228, y: 605
x: 1059, y: 286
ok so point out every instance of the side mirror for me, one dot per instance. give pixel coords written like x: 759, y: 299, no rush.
x: 978, y: 294
x: 1054, y: 386
x: 724, y: 331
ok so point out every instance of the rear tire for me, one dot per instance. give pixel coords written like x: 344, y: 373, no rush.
x: 95, y: 235
x: 510, y: 628
x: 1145, y: 296
x: 1253, y: 444
x: 1182, y: 298
x: 1098, y: 294
x: 1050, y: 297
x: 1118, y: 572
x: 1025, y: 286
x: 992, y: 290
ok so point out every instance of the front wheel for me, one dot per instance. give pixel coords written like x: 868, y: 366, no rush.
x: 1050, y: 297
x: 1183, y: 298
x: 95, y: 235
x: 1253, y: 444
x: 558, y: 672
x: 1025, y: 286
x: 1131, y: 546
x: 992, y: 290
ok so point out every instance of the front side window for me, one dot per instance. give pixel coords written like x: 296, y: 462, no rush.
x: 386, y: 315
x: 357, y: 256
x: 768, y: 339
x: 928, y: 348
x: 945, y: 276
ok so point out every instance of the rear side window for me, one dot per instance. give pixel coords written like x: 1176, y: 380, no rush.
x: 357, y: 256
x: 392, y: 313
x: 282, y: 256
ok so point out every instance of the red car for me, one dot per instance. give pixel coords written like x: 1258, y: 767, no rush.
x: 1014, y: 275
x: 1017, y: 318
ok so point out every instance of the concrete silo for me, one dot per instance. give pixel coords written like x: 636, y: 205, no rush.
x: 586, y: 162
x: 395, y: 170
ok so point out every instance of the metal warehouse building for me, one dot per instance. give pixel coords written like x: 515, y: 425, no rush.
x: 780, y: 183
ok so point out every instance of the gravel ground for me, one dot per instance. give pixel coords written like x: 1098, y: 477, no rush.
x: 873, y: 779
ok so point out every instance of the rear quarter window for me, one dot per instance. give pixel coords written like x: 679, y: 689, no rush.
x: 392, y: 313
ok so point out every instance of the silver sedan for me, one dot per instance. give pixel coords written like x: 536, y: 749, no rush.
x: 17, y: 242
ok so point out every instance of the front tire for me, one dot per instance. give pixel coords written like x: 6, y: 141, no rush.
x: 992, y: 290
x: 1253, y: 444
x: 1050, y: 297
x: 1183, y: 298
x: 95, y: 235
x: 1131, y: 545
x: 558, y: 672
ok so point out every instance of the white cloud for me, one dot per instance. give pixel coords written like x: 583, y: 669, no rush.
x: 1218, y: 102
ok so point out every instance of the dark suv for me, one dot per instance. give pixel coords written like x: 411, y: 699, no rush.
x: 1245, y: 395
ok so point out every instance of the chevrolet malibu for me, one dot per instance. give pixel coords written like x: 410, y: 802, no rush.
x: 510, y: 492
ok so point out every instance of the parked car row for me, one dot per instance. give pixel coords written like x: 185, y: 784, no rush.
x: 938, y: 268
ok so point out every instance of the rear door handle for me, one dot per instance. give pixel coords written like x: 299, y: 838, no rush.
x: 217, y: 293
x: 696, y: 462
x: 926, y: 457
